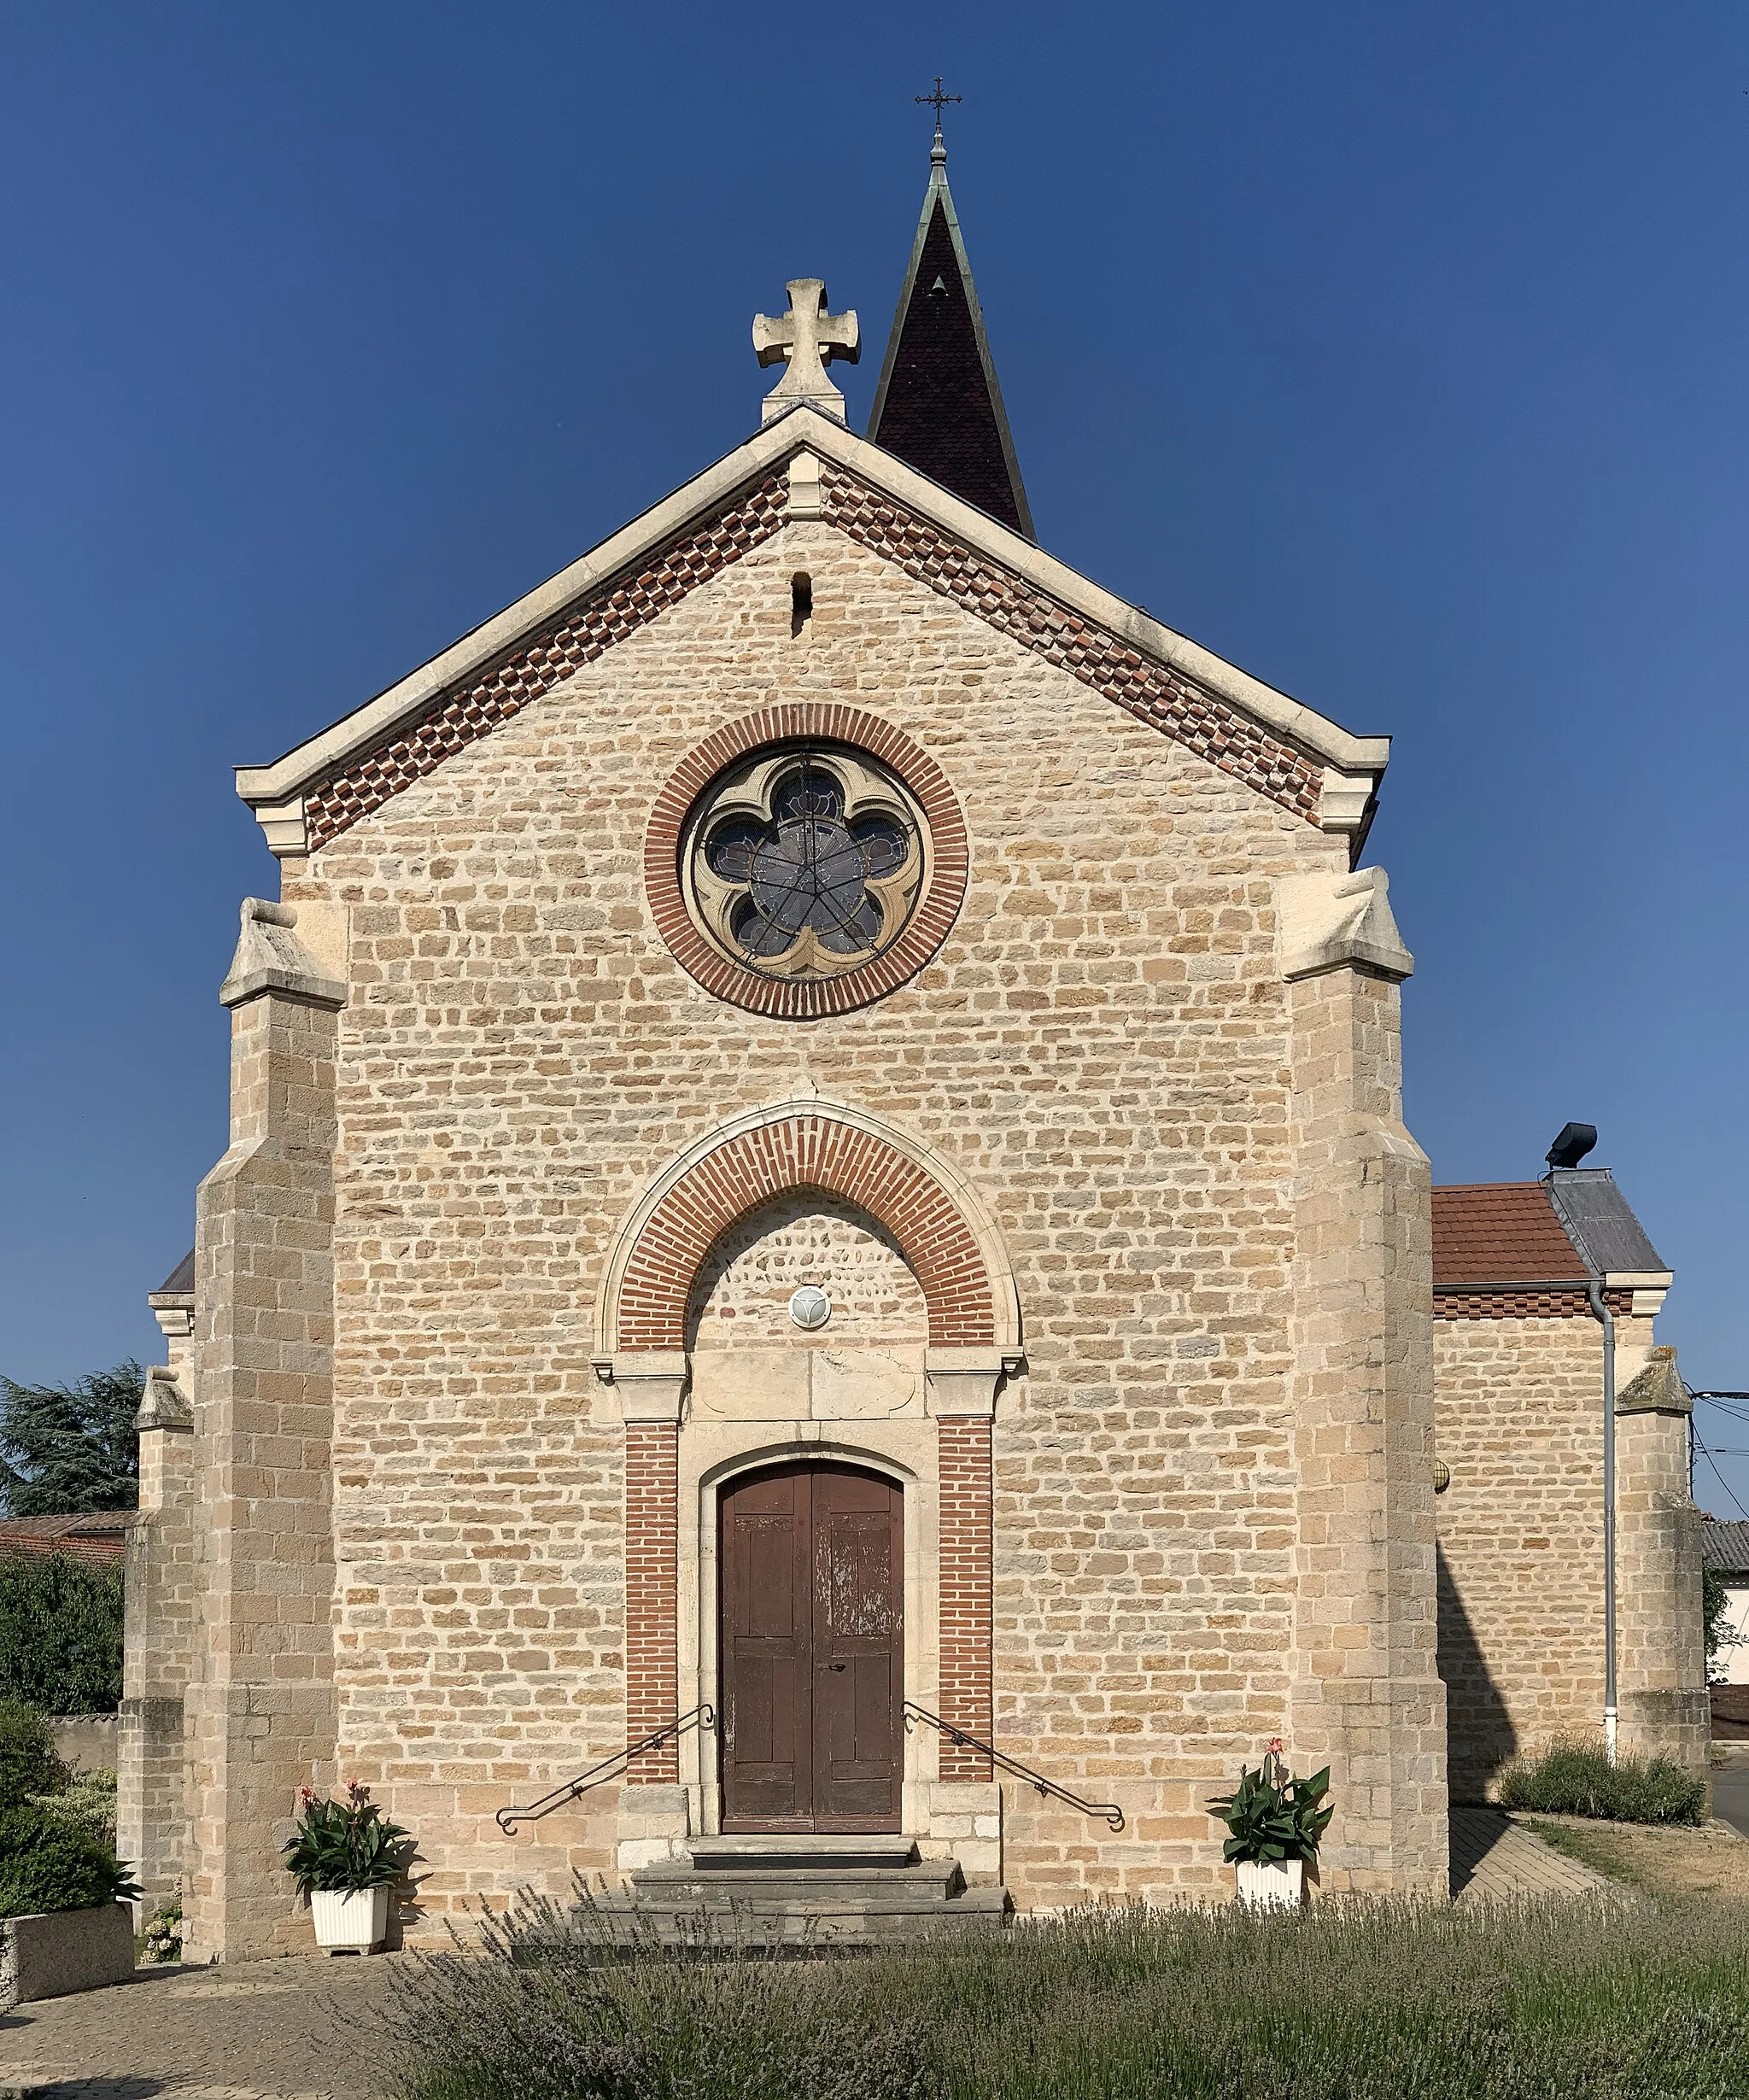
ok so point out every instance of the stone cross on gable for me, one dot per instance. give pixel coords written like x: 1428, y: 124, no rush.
x: 806, y: 339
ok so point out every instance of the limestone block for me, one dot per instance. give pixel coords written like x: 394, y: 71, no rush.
x: 751, y: 1384
x: 963, y: 1382
x: 1327, y: 921
x: 270, y: 956
x: 855, y: 1385
x: 164, y: 1407
x: 650, y: 1385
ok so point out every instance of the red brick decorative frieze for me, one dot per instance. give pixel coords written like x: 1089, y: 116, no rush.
x: 559, y: 649
x: 1506, y: 1303
x: 577, y: 636
x: 814, y: 723
x: 965, y: 1581
x: 807, y: 1150
x: 651, y: 1547
x: 1147, y: 689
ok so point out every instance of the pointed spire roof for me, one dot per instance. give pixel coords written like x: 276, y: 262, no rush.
x: 938, y: 406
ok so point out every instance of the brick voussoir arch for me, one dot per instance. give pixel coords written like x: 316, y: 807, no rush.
x: 952, y: 1248
x: 812, y: 722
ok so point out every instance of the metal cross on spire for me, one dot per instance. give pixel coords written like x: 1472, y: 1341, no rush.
x: 940, y: 101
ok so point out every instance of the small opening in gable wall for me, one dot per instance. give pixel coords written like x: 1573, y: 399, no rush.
x: 801, y: 603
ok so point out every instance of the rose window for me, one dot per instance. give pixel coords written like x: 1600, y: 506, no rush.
x: 805, y: 863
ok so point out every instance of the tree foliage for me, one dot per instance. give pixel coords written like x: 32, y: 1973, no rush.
x: 67, y: 1449
x: 60, y: 1633
x: 1716, y: 1610
x: 28, y: 1764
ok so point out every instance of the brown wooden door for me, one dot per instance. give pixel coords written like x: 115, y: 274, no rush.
x: 813, y: 1654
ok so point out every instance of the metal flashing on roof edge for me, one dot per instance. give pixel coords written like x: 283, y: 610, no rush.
x: 1606, y: 1235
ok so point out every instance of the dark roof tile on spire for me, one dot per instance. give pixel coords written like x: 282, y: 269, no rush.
x: 938, y: 406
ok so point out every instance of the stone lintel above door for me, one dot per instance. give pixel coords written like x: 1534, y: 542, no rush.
x: 822, y: 1384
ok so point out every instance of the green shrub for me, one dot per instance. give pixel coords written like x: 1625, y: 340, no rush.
x: 60, y: 1633
x: 28, y: 1764
x: 1577, y: 1779
x: 87, y: 1801
x: 570, y: 2009
x: 48, y: 1863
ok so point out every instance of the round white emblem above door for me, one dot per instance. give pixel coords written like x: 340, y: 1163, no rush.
x: 810, y: 1307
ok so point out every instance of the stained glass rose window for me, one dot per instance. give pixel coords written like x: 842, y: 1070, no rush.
x: 804, y: 863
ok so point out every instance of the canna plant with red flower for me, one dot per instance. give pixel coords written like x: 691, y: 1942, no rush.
x: 345, y: 1844
x: 1270, y: 1815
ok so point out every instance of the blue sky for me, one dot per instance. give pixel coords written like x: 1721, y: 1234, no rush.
x: 1395, y: 352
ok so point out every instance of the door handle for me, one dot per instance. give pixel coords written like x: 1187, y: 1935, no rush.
x: 831, y: 1665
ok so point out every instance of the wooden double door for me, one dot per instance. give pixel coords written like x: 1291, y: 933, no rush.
x: 812, y: 1560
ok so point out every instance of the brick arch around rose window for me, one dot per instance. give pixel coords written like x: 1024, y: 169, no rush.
x: 957, y: 1255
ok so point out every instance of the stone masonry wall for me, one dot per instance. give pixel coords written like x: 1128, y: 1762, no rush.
x: 1101, y: 1044
x: 1519, y: 1406
x: 1661, y: 1640
x: 1520, y: 1425
x: 1367, y: 1698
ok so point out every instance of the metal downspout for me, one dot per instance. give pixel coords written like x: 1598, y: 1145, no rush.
x: 1594, y: 1292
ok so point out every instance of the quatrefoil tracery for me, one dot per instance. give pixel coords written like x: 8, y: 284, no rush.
x: 805, y: 863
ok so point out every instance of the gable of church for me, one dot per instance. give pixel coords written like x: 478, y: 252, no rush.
x: 811, y: 468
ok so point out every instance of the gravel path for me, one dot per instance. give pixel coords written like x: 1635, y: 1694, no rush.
x: 257, y: 2031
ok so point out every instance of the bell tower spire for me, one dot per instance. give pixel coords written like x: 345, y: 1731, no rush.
x: 938, y: 406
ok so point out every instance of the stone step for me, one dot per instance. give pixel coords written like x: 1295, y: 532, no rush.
x: 781, y: 1852
x: 930, y: 1882
x: 789, y: 1914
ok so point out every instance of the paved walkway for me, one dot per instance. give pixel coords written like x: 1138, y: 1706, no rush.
x: 1730, y: 1796
x: 1493, y: 1858
x: 259, y: 2031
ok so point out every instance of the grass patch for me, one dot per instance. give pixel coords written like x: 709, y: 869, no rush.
x: 1621, y: 2001
x: 1577, y: 1779
x: 1591, y: 1848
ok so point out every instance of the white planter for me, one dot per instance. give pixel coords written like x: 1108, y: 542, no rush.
x: 1272, y: 1884
x: 350, y: 1918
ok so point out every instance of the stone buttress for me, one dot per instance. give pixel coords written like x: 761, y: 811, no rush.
x: 1367, y: 1698
x: 260, y: 1701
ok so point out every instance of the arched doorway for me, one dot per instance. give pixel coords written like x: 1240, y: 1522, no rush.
x: 811, y: 1564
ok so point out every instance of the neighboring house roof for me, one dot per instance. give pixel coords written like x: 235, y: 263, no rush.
x: 1283, y: 751
x: 99, y: 1536
x: 1509, y: 1248
x: 1725, y: 1546
x: 937, y: 405
x: 1500, y: 1233
x: 181, y: 1279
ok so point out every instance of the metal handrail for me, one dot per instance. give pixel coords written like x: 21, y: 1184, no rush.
x: 957, y: 1736
x: 701, y: 1717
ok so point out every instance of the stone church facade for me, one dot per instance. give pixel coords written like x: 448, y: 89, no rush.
x: 816, y: 1183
